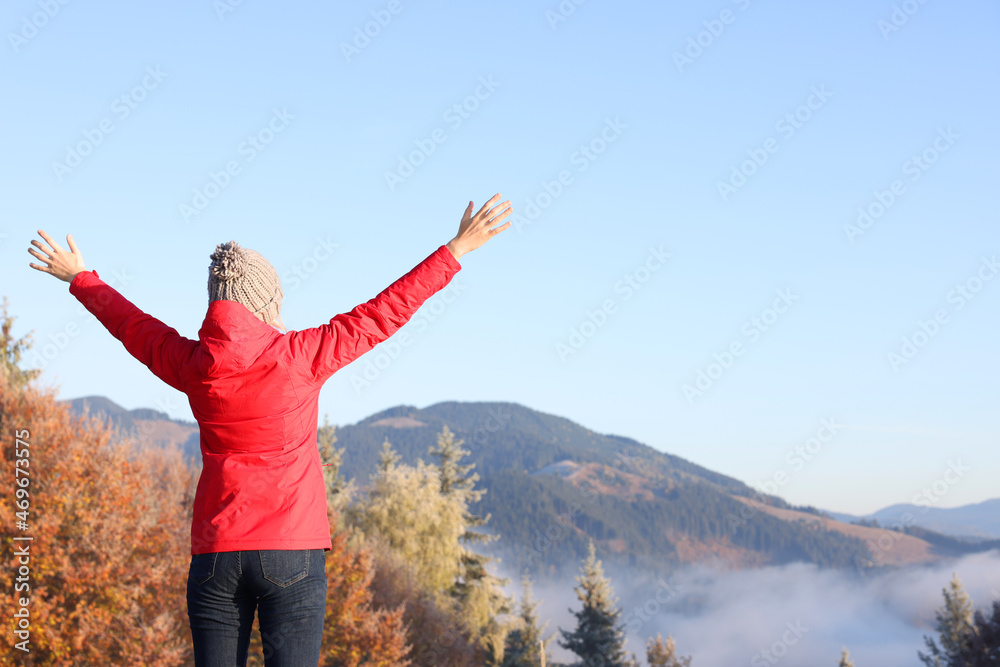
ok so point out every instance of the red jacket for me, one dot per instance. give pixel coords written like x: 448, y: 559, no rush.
x: 255, y: 394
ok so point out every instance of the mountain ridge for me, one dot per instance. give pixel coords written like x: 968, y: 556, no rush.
x: 553, y: 484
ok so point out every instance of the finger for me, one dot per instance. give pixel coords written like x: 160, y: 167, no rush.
x: 40, y: 268
x: 37, y: 255
x: 72, y: 244
x: 499, y: 208
x: 39, y: 246
x: 497, y: 218
x: 486, y: 206
x: 48, y: 239
x: 497, y: 230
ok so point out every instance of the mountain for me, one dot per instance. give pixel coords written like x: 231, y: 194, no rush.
x: 977, y: 521
x: 149, y: 426
x: 552, y: 485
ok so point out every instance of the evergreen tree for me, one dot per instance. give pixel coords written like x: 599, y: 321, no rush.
x: 982, y: 646
x: 479, y: 593
x: 11, y: 351
x: 661, y: 653
x: 388, y: 458
x: 598, y: 638
x: 338, y: 492
x: 845, y: 659
x: 524, y: 644
x: 449, y: 453
x: 457, y: 480
x: 954, y: 623
x: 405, y: 509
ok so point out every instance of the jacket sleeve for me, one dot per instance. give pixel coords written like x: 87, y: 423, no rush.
x: 329, y: 347
x: 165, y: 352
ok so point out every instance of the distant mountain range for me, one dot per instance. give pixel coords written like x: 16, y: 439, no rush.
x: 980, y: 521
x: 552, y: 485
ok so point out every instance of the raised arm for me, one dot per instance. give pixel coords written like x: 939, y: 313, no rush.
x: 329, y: 347
x: 158, y: 346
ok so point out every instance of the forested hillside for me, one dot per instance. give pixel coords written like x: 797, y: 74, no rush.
x: 551, y: 485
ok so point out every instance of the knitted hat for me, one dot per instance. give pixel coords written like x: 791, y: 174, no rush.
x: 243, y: 275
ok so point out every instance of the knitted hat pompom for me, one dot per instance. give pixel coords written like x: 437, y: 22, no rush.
x: 228, y: 262
x: 243, y: 275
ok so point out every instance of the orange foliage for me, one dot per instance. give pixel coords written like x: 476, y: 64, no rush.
x: 109, y: 558
x: 109, y: 533
x: 434, y: 631
x: 355, y: 635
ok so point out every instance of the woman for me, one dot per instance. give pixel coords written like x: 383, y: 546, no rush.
x: 260, y: 531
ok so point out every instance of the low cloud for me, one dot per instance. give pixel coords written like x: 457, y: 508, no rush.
x: 794, y: 615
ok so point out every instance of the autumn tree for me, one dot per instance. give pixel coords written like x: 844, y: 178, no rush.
x: 110, y: 522
x: 356, y: 634
x: 660, y: 653
x: 435, y: 632
x: 599, y: 638
x: 110, y: 532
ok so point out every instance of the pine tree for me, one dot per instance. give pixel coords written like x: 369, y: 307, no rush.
x: 449, y: 452
x: 982, y: 646
x: 479, y: 593
x: 845, y: 659
x: 11, y: 351
x: 457, y: 480
x: 405, y: 509
x: 524, y: 644
x: 388, y: 458
x: 954, y: 623
x: 338, y: 492
x: 661, y: 653
x: 598, y: 638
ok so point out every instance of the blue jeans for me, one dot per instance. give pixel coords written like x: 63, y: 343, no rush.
x: 288, y: 590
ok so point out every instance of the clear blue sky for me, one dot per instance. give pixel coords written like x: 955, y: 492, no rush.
x: 831, y: 105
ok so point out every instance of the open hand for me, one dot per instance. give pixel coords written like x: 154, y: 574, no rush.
x: 63, y: 264
x: 475, y: 230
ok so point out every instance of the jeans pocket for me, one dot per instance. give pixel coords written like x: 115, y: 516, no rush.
x: 283, y: 567
x: 202, y: 567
